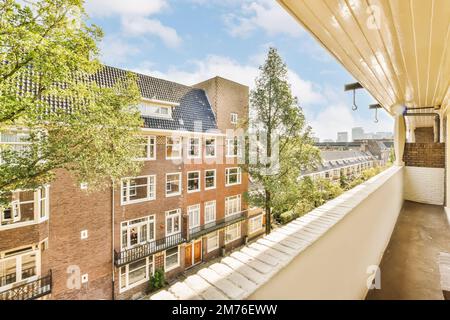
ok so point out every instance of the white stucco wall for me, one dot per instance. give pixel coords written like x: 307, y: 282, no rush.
x: 425, y: 185
x: 335, y: 265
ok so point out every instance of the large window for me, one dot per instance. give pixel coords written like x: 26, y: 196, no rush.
x: 210, y: 147
x: 172, y: 259
x: 173, y: 222
x: 210, y: 211
x: 18, y: 265
x: 173, y: 147
x: 194, y: 148
x: 255, y: 224
x: 136, y: 273
x: 232, y: 205
x: 194, y: 216
x: 233, y: 147
x: 193, y: 181
x: 233, y: 176
x: 173, y: 184
x: 148, y: 148
x: 212, y: 242
x: 154, y: 110
x: 26, y: 206
x: 232, y: 232
x: 138, y: 189
x: 14, y: 141
x: 137, y: 231
x: 210, y: 179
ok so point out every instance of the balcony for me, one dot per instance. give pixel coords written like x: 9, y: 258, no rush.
x: 28, y: 291
x: 144, y: 250
x: 218, y: 224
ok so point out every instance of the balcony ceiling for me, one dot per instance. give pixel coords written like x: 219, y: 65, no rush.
x: 405, y: 60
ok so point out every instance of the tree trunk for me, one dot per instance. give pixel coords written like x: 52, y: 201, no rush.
x: 268, y: 213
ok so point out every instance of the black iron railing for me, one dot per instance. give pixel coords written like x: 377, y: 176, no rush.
x: 30, y: 290
x: 216, y: 225
x: 144, y: 250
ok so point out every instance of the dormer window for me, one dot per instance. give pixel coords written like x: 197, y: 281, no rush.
x: 152, y: 109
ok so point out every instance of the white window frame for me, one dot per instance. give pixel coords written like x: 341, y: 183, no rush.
x: 251, y: 222
x: 148, y: 273
x: 172, y: 215
x: 16, y: 214
x: 230, y: 147
x: 239, y: 205
x: 180, y: 184
x: 199, y: 148
x: 175, y: 146
x: 127, y: 225
x: 211, y: 235
x: 230, y: 227
x: 227, y: 176
x: 174, y: 266
x: 215, y: 148
x: 194, y: 221
x: 234, y: 118
x: 130, y: 189
x: 153, y: 110
x: 208, y: 205
x: 14, y: 145
x: 199, y: 181
x: 150, y: 146
x: 18, y: 257
x: 215, y: 179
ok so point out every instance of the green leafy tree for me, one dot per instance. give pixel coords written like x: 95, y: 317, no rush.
x: 48, y: 61
x: 284, y: 139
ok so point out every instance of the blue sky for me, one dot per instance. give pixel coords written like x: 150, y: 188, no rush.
x: 189, y: 41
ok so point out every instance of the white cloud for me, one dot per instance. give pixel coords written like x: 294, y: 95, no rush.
x: 115, y: 51
x: 264, y: 14
x: 136, y: 18
x: 105, y: 8
x: 139, y: 26
x: 214, y: 65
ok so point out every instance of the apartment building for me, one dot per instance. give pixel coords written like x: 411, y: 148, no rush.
x: 185, y: 207
x: 341, y: 163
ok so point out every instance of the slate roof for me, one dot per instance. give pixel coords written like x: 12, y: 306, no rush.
x: 335, y: 159
x: 194, y: 107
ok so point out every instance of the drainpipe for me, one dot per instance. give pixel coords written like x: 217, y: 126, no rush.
x: 437, y: 122
x: 112, y: 240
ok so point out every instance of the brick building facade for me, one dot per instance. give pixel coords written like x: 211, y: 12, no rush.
x: 187, y: 205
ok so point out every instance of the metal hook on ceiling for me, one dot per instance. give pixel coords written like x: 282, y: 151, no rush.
x: 354, y: 106
x: 376, y: 107
x: 353, y: 87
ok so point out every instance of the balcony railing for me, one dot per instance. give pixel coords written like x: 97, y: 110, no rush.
x: 30, y: 290
x: 144, y: 250
x: 216, y: 225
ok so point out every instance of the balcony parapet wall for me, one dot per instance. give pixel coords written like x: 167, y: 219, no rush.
x: 329, y: 253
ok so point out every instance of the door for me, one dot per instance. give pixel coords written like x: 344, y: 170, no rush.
x: 197, y: 251
x: 188, y: 256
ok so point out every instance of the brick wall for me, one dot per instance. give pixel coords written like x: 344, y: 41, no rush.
x: 431, y: 155
x: 424, y: 135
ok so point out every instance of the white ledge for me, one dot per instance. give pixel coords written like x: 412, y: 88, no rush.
x: 241, y: 273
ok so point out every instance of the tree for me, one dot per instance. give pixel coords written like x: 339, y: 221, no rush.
x: 285, y: 146
x: 48, y: 63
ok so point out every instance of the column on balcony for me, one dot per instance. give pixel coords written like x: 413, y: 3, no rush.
x: 399, y: 138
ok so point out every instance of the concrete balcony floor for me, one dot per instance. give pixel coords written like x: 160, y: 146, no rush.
x: 409, y: 268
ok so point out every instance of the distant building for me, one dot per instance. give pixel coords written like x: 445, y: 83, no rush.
x: 337, y: 163
x: 358, y: 133
x: 342, y: 137
x: 315, y: 139
x: 328, y: 140
x: 379, y: 148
